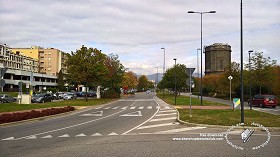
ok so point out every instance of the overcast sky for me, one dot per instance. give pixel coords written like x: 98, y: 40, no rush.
x: 136, y: 30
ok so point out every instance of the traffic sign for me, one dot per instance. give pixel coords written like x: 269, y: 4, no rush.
x: 190, y: 71
x: 230, y: 77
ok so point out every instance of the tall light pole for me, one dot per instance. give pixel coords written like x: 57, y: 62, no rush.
x: 198, y: 66
x: 241, y: 70
x: 163, y: 68
x: 230, y: 78
x: 250, y: 51
x: 201, y: 13
x: 175, y: 81
x: 157, y: 78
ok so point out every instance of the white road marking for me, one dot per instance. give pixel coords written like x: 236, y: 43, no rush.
x: 133, y: 107
x: 98, y: 107
x: 8, y: 139
x: 138, y: 100
x: 48, y: 136
x: 165, y: 111
x: 116, y: 107
x: 154, y: 126
x: 96, y: 134
x: 167, y: 107
x: 158, y: 107
x: 72, y: 125
x: 150, y: 107
x: 112, y: 134
x: 31, y: 137
x: 141, y: 108
x: 97, y: 113
x: 162, y: 119
x: 107, y: 108
x: 65, y: 135
x: 168, y: 114
x: 81, y: 135
x: 132, y: 114
x: 124, y: 108
x: 180, y: 130
x: 143, y: 122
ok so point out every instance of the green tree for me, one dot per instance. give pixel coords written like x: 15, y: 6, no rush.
x: 60, y: 81
x: 143, y: 83
x: 261, y: 71
x: 181, y: 77
x: 129, y: 80
x: 114, y: 77
x: 85, y: 66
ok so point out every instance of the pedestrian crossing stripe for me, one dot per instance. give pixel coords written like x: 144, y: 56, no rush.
x: 48, y: 136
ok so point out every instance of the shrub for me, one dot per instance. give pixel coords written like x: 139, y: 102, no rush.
x: 18, y: 116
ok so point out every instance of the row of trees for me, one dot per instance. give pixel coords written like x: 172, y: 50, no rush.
x: 91, y: 68
x: 264, y: 74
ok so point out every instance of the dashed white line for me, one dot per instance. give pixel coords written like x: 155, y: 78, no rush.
x: 133, y: 107
x: 141, y: 107
x: 48, y: 136
x: 165, y: 111
x: 150, y: 107
x: 81, y: 135
x: 96, y: 134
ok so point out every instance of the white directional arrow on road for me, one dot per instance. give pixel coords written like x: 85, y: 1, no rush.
x: 97, y: 113
x: 132, y: 114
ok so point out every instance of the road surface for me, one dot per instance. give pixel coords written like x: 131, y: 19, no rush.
x: 141, y: 125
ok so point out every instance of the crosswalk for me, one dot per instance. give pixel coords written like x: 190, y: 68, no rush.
x: 133, y: 107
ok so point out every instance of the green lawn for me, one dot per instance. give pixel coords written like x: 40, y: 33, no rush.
x: 185, y: 100
x: 13, y: 94
x: 229, y: 117
x: 9, y: 107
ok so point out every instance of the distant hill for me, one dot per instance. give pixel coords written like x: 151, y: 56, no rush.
x: 153, y: 76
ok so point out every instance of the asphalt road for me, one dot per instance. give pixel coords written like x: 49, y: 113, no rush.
x: 141, y: 125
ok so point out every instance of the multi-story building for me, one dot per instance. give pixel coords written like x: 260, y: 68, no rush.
x: 217, y: 58
x: 51, y: 60
x: 21, y: 68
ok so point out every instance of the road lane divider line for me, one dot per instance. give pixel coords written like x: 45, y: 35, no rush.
x: 144, y: 121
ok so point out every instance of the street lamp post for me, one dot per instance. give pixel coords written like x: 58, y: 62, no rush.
x: 230, y: 78
x: 250, y: 51
x: 198, y: 66
x: 201, y: 13
x: 241, y: 64
x: 175, y: 81
x: 163, y: 68
x: 157, y: 78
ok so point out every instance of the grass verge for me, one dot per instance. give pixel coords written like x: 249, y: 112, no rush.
x: 10, y: 107
x: 229, y: 117
x: 185, y: 100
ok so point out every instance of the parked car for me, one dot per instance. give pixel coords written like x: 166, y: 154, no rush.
x: 263, y: 100
x: 60, y: 95
x: 7, y: 98
x: 41, y: 98
x: 69, y: 96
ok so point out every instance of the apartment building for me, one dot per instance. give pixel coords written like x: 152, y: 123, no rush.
x: 50, y: 60
x: 22, y: 68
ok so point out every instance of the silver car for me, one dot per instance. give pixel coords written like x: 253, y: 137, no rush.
x: 69, y: 96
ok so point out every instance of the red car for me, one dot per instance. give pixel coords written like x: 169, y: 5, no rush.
x: 264, y: 100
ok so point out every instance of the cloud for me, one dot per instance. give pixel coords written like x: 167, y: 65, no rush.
x: 136, y: 30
